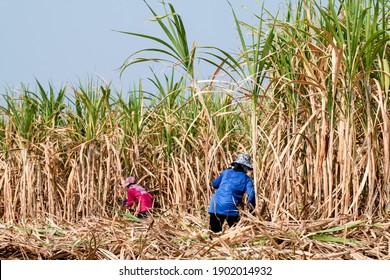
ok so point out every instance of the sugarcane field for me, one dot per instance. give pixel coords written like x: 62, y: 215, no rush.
x: 283, y: 153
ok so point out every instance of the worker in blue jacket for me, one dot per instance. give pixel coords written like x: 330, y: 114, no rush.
x: 230, y: 187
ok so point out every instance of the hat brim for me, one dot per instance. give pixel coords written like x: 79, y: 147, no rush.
x: 249, y: 166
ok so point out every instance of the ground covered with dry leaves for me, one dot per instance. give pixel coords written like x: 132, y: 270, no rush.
x: 169, y: 236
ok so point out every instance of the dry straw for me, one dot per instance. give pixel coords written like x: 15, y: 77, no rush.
x: 184, y: 237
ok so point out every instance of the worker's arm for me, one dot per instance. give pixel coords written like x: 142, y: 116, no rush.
x: 130, y: 197
x: 250, y: 191
x: 218, y: 180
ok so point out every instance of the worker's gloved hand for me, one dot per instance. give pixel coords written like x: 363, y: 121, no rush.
x: 124, y: 202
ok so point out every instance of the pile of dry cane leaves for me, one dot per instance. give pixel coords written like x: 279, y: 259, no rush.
x: 169, y: 236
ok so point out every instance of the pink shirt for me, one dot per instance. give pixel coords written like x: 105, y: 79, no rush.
x: 137, y: 194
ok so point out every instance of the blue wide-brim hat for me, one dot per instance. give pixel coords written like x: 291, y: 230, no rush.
x: 244, y: 159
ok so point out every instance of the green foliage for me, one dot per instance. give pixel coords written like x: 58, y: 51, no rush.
x: 92, y: 115
x: 51, y: 105
x: 21, y: 113
x: 175, y: 48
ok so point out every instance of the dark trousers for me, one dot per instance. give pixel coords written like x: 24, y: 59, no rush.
x: 217, y: 220
x: 144, y: 214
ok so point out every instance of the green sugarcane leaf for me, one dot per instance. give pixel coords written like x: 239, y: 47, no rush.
x: 335, y: 229
x: 330, y: 238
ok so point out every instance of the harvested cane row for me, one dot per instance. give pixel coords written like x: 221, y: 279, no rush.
x: 172, y: 237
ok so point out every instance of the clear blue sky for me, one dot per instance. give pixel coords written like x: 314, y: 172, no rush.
x: 67, y: 41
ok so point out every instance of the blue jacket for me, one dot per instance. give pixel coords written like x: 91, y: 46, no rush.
x: 231, y: 186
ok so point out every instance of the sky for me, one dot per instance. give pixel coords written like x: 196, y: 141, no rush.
x: 75, y: 41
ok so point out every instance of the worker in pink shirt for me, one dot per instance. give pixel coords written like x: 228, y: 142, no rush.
x: 137, y: 195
